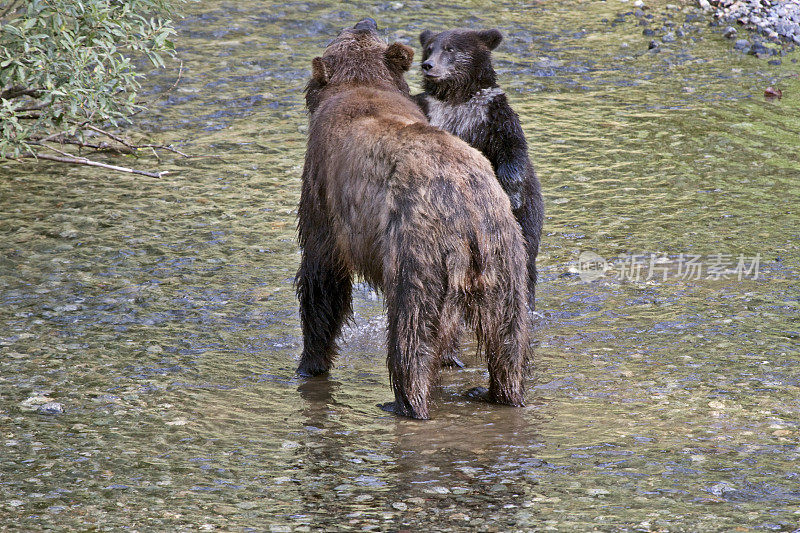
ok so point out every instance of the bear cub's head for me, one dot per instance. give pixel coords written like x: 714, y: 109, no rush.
x: 458, y: 63
x: 358, y: 56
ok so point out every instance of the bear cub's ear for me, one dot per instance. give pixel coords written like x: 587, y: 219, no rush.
x: 425, y: 37
x: 398, y: 57
x: 319, y: 73
x: 490, y: 38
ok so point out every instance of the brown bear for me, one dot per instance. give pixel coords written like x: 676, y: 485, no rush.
x: 461, y: 96
x: 413, y: 210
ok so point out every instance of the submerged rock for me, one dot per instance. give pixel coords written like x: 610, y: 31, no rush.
x: 34, y: 402
x: 722, y: 488
x: 743, y: 45
x: 758, y: 49
x: 51, y: 408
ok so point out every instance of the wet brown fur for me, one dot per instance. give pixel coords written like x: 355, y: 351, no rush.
x: 416, y: 212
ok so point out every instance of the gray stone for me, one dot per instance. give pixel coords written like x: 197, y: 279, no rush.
x: 51, y: 408
x: 722, y: 488
x: 758, y: 49
x: 742, y: 45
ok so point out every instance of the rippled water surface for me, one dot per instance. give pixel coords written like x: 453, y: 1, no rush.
x: 161, y: 313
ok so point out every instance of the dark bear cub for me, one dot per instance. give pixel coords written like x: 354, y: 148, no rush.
x: 461, y: 96
x: 413, y: 210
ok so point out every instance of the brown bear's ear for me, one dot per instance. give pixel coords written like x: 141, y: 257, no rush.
x: 319, y: 73
x: 398, y: 57
x: 425, y: 37
x: 491, y: 38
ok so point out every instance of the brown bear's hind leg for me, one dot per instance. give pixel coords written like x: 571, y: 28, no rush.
x: 504, y: 336
x: 449, y: 333
x: 324, y: 290
x: 415, y: 311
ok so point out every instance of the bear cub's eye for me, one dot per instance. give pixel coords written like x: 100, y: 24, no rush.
x: 448, y: 49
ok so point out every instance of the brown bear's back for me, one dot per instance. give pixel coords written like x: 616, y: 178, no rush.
x: 376, y: 144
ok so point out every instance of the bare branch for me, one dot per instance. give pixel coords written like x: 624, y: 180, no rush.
x: 97, y: 147
x: 177, y: 81
x: 155, y: 147
x: 75, y: 160
x: 135, y: 147
x: 165, y: 93
x: 31, y: 108
x: 110, y: 136
x: 17, y: 90
x: 13, y: 4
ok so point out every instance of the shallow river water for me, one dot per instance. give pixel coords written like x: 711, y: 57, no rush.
x: 161, y: 314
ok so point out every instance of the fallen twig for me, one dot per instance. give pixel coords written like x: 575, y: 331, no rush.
x: 16, y: 91
x: 135, y: 147
x: 162, y: 95
x: 65, y: 157
x: 111, y: 136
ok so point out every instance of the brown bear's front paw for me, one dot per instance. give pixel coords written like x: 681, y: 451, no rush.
x: 451, y: 361
x: 398, y: 409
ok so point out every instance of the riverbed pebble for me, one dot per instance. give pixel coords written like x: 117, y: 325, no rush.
x: 51, y: 408
x: 722, y: 488
x: 34, y: 402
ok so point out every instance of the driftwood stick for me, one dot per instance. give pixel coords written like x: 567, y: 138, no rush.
x: 75, y: 160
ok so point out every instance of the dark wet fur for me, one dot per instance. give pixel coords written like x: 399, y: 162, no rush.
x: 502, y: 141
x: 416, y: 212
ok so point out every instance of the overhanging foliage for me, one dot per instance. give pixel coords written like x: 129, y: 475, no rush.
x: 66, y: 72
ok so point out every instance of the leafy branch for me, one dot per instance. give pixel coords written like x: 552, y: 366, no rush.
x: 67, y: 78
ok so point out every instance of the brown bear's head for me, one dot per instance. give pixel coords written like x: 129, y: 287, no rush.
x: 458, y: 63
x: 358, y: 56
